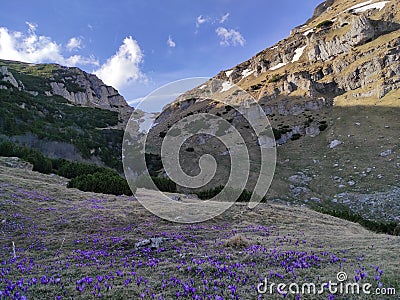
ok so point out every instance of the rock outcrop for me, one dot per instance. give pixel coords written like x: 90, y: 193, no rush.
x: 345, y: 52
x: 78, y: 87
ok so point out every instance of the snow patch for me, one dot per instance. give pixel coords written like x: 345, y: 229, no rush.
x: 360, y: 5
x: 308, y: 31
x: 146, y: 122
x: 377, y: 5
x: 247, y: 72
x: 298, y: 53
x: 228, y: 73
x: 203, y: 87
x: 280, y: 65
x: 226, y: 86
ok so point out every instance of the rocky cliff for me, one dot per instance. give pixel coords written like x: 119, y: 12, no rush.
x: 348, y: 51
x: 78, y: 87
x: 331, y: 93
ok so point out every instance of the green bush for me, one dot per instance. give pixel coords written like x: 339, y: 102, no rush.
x: 391, y: 228
x: 40, y: 163
x: 323, y: 126
x: 99, y: 182
x: 161, y: 183
x: 277, y: 133
x: 85, y: 177
x: 70, y: 169
x: 245, y: 195
x: 325, y: 24
x: 256, y: 87
x: 275, y: 78
x: 295, y: 136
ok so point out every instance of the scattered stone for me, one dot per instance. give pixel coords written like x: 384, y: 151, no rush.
x: 175, y: 197
x: 300, y: 190
x: 379, y: 176
x: 300, y: 178
x: 315, y: 199
x: 369, y: 170
x: 341, y: 186
x: 335, y: 143
x: 335, y: 165
x: 386, y: 153
x: 152, y: 243
x: 351, y: 183
x: 357, y: 123
x: 387, y: 126
x: 15, y: 162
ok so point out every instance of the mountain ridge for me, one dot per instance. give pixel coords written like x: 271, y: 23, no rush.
x: 75, y: 85
x: 331, y: 91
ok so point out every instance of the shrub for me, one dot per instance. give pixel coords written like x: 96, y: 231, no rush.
x: 237, y: 242
x: 295, y: 136
x: 325, y: 24
x: 70, y: 169
x: 190, y: 149
x: 40, y: 163
x: 85, y: 177
x: 244, y: 196
x: 161, y: 183
x: 256, y: 87
x: 101, y: 183
x: 380, y: 227
x: 277, y: 133
x: 323, y: 126
x: 275, y: 78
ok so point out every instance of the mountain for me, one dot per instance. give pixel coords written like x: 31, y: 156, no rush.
x: 331, y: 93
x: 64, y: 112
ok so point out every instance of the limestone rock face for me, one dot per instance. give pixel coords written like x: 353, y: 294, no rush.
x: 344, y: 52
x: 92, y: 92
x: 73, y: 84
x: 8, y: 77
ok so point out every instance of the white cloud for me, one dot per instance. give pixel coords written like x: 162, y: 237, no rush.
x: 224, y: 18
x: 170, y: 42
x: 74, y: 43
x: 123, y: 66
x: 32, y: 27
x: 33, y: 48
x: 200, y: 20
x: 230, y: 37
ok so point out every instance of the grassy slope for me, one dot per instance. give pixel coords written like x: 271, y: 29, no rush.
x: 67, y: 234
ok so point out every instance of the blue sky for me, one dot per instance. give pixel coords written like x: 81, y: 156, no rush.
x: 138, y: 46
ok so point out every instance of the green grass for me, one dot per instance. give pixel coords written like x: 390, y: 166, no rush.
x: 38, y: 77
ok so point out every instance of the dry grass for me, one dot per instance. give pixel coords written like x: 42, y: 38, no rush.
x: 68, y: 216
x: 237, y: 242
